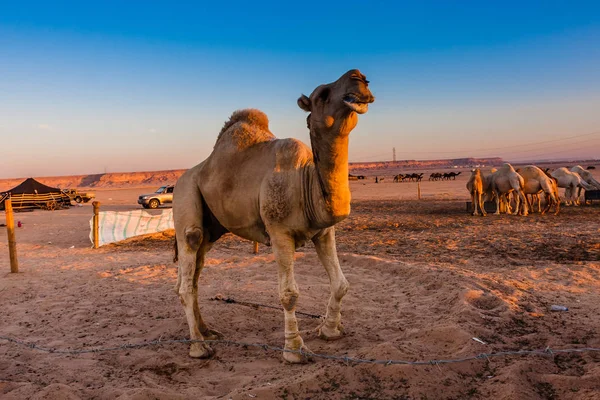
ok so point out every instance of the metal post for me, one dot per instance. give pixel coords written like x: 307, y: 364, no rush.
x: 96, y: 205
x: 419, y: 190
x: 12, y: 241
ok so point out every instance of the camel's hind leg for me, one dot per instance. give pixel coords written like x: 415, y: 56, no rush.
x: 481, y: 204
x: 522, y: 205
x: 331, y: 328
x: 474, y: 201
x: 497, y: 203
x: 192, y: 245
x: 284, y: 248
x: 568, y: 196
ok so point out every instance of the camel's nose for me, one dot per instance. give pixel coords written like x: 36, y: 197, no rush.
x: 369, y: 98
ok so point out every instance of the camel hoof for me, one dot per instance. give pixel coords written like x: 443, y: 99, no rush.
x: 484, y: 214
x: 328, y: 334
x: 475, y: 214
x: 212, y: 334
x: 201, y: 350
x: 298, y: 358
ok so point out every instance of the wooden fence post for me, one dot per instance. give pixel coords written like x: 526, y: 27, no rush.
x: 419, y: 190
x: 96, y: 205
x: 255, y: 250
x: 12, y: 242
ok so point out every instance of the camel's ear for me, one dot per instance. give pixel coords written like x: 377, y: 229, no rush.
x: 304, y: 103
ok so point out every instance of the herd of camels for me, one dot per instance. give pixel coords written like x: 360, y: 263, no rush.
x: 435, y: 176
x: 506, y: 181
x: 282, y: 193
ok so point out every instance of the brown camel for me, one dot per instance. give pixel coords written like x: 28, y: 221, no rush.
x: 277, y: 192
x: 475, y: 187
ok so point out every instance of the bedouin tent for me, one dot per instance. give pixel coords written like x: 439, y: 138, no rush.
x: 33, y: 194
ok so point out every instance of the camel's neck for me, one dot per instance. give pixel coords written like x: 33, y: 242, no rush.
x: 330, y: 153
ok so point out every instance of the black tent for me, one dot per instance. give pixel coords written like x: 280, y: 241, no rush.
x: 33, y: 194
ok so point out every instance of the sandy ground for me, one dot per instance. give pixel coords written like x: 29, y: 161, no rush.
x: 425, y: 279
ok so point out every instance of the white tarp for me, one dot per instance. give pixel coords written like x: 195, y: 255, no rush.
x: 114, y: 226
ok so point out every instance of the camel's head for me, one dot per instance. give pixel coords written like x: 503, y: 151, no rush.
x: 334, y: 107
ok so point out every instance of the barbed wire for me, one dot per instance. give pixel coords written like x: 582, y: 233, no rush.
x: 229, y: 300
x: 346, y: 359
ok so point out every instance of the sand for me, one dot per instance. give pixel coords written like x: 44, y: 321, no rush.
x: 425, y: 279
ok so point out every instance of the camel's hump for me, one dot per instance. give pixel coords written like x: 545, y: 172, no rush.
x: 245, y: 128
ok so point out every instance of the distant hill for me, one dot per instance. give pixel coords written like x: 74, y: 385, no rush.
x: 158, y: 178
x: 108, y: 180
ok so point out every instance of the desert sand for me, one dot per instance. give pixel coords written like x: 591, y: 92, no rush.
x: 425, y: 279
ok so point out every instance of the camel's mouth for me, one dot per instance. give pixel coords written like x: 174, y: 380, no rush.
x: 355, y: 104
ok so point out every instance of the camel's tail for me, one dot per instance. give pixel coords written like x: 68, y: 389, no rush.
x: 176, y: 255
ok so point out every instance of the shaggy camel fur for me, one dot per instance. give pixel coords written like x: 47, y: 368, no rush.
x: 504, y: 181
x: 277, y: 192
x: 570, y: 181
x: 475, y: 187
x: 537, y: 181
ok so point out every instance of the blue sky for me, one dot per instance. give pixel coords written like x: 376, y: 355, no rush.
x: 123, y: 86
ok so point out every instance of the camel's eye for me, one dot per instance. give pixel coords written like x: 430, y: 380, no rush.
x: 324, y: 94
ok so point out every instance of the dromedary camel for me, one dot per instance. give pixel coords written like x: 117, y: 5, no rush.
x: 475, y: 187
x: 504, y: 181
x: 537, y: 181
x: 585, y: 176
x: 570, y: 181
x: 274, y: 191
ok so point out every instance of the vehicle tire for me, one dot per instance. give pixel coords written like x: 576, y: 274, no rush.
x: 78, y: 199
x: 145, y: 206
x: 154, y: 203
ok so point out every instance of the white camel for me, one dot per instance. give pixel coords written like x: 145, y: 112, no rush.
x: 536, y: 182
x: 587, y: 177
x: 570, y: 181
x: 504, y: 181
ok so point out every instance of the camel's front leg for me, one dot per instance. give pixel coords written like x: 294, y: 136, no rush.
x: 576, y: 195
x: 284, y: 249
x: 331, y: 328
